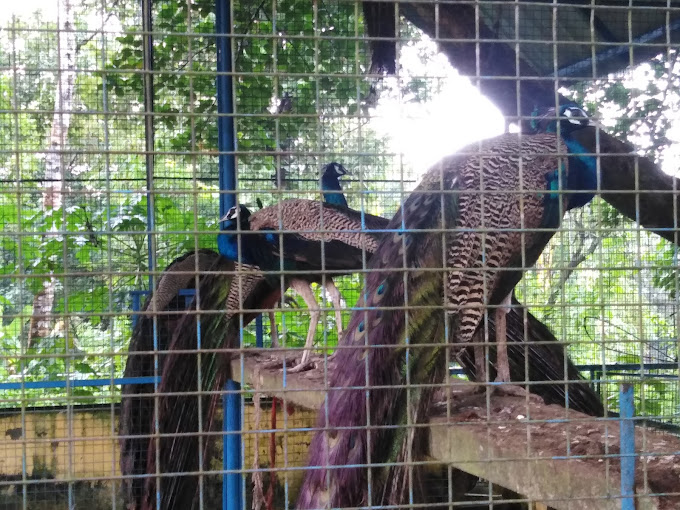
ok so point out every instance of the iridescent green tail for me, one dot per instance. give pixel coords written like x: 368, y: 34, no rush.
x: 393, y: 344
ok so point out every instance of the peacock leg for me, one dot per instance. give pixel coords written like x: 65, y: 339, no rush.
x: 304, y: 289
x: 502, y: 364
x: 480, y: 359
x: 336, y: 299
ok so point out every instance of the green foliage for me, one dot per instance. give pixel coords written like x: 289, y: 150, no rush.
x: 299, y: 93
x: 94, y: 248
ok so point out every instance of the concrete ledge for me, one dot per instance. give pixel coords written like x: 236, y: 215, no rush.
x: 565, y: 459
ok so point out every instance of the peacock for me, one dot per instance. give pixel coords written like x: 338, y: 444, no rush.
x: 332, y: 194
x: 312, y: 227
x: 330, y: 184
x: 465, y: 234
x: 229, y: 295
x: 227, y: 301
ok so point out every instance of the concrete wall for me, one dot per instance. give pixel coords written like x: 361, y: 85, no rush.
x: 54, y: 444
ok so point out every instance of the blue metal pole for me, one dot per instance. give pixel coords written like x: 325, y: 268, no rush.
x: 225, y: 107
x: 188, y: 295
x: 226, y: 144
x: 231, y: 458
x: 627, y: 438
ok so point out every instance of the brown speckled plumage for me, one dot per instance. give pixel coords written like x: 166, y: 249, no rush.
x: 326, y: 237
x: 338, y: 229
x: 409, y: 273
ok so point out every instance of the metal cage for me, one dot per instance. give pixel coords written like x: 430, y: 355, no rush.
x: 253, y: 254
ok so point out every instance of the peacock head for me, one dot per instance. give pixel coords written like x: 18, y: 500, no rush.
x: 570, y: 116
x: 237, y: 215
x: 334, y: 170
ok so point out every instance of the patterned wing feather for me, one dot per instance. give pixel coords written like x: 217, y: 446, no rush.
x: 507, y: 188
x: 315, y: 221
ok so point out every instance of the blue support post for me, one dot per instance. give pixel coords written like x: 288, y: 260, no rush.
x: 226, y: 145
x: 137, y: 304
x: 188, y: 295
x: 627, y: 438
x: 231, y: 458
x: 226, y: 137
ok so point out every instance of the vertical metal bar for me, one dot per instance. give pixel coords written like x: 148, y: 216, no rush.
x: 135, y: 308
x: 627, y: 438
x: 20, y: 256
x: 231, y: 459
x: 225, y: 107
x: 259, y: 332
x: 147, y: 47
x: 149, y: 135
x: 231, y: 482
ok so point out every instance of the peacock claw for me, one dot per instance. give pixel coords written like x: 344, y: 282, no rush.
x: 273, y: 364
x: 278, y: 364
x: 513, y: 390
x: 302, y: 366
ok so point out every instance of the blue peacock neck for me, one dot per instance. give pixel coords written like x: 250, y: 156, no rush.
x: 582, y: 174
x: 582, y: 177
x: 331, y: 183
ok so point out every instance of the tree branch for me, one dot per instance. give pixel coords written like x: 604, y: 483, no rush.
x: 633, y: 184
x: 579, y: 256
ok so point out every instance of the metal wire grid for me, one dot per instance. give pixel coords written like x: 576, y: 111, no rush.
x: 105, y: 158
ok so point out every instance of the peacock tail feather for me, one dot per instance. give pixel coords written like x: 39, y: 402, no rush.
x: 214, y: 318
x: 473, y: 214
x: 384, y: 348
x: 137, y: 401
x: 226, y: 292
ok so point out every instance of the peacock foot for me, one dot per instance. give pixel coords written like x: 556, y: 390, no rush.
x: 273, y: 364
x: 513, y: 390
x: 303, y: 366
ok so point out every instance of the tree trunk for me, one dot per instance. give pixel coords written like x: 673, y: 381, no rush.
x: 53, y: 185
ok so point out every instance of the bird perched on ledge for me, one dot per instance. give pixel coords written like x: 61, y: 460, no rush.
x: 467, y: 232
x: 332, y: 194
x: 324, y: 240
x: 581, y: 181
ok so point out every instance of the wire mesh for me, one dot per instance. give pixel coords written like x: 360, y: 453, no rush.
x: 121, y: 323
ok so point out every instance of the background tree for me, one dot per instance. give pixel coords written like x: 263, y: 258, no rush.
x: 603, y: 286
